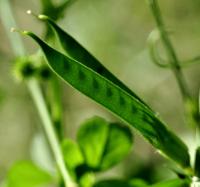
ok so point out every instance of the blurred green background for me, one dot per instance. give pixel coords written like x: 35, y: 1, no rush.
x: 115, y: 31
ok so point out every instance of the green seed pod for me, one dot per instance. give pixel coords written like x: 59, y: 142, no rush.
x: 116, y: 99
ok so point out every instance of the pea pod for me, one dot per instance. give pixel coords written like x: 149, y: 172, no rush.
x: 79, y: 53
x: 117, y: 100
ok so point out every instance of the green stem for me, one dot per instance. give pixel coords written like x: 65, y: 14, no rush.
x: 55, y: 98
x: 173, y: 59
x: 49, y: 129
x: 153, y: 39
x: 36, y: 93
x: 189, y: 102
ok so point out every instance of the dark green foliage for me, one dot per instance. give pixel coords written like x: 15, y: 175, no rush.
x: 197, y: 162
x: 119, y: 101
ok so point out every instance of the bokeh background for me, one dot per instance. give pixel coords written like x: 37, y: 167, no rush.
x: 116, y: 32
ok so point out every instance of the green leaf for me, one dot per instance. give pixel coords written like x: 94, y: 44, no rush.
x: 107, y: 93
x: 137, y: 183
x: 87, y: 180
x: 26, y: 174
x: 197, y: 163
x: 92, y: 137
x: 118, y: 145
x: 118, y: 183
x: 172, y: 183
x: 72, y: 154
x: 104, y: 144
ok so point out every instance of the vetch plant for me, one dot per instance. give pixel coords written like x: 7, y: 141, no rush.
x: 117, y: 100
x: 100, y: 144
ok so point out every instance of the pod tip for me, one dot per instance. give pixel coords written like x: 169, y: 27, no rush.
x: 19, y: 31
x: 29, y: 12
x: 42, y: 17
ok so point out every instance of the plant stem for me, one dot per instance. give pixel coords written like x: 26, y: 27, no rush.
x: 55, y: 97
x: 173, y: 59
x: 189, y: 103
x: 50, y: 131
x: 35, y: 91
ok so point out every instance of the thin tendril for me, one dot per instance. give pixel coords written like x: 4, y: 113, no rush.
x: 153, y: 40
